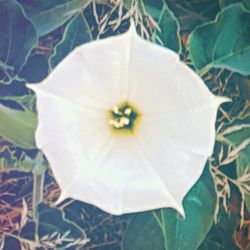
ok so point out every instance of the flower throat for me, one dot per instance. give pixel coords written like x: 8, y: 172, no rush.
x: 123, y: 118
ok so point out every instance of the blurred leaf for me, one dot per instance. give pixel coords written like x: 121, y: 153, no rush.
x: 238, y: 135
x: 10, y: 243
x: 225, y: 3
x: 18, y: 126
x: 224, y: 42
x: 18, y: 36
x: 168, y: 35
x: 36, y: 69
x: 154, y: 8
x: 243, y: 84
x: 246, y: 3
x: 77, y: 32
x: 48, y: 15
x: 220, y: 237
x: 170, y: 231
x: 54, y: 230
x: 244, y: 87
x: 143, y: 233
x: 191, y: 13
x: 15, y: 88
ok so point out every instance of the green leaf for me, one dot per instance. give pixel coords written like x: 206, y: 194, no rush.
x: 77, y: 32
x: 154, y: 8
x: 143, y: 233
x: 18, y: 126
x: 223, y: 43
x: 168, y: 36
x: 238, y: 135
x: 225, y: 3
x: 36, y: 69
x: 221, y: 235
x: 54, y: 230
x: 167, y: 230
x: 18, y: 36
x: 48, y: 15
x: 246, y: 4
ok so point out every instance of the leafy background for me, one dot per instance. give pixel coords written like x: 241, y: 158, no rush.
x: 211, y: 36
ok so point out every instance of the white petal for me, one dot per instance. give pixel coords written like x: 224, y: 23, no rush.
x: 160, y: 82
x: 119, y: 184
x: 93, y: 75
x: 70, y: 136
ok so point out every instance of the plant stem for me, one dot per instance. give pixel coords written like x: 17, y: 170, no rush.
x: 38, y: 183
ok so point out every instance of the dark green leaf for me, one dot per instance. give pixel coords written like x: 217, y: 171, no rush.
x: 246, y: 3
x: 168, y: 35
x: 48, y: 15
x: 154, y: 8
x: 36, y: 69
x: 143, y: 233
x: 168, y: 230
x: 223, y: 43
x: 191, y: 13
x: 77, y: 32
x: 18, y: 36
x: 18, y: 126
x: 225, y: 3
x: 220, y: 237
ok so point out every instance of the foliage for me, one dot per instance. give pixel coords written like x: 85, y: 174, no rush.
x: 212, y: 36
x: 18, y: 38
x: 167, y: 229
x: 224, y: 42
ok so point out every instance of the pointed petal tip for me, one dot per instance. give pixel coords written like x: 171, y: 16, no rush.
x: 222, y: 99
x: 32, y: 86
x: 61, y: 198
x: 132, y: 27
x: 181, y: 211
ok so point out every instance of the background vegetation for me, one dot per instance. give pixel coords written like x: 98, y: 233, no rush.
x: 211, y: 36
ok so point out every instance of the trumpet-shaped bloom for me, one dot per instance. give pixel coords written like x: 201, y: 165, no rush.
x: 125, y: 125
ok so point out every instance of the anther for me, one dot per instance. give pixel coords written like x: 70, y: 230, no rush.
x: 128, y: 111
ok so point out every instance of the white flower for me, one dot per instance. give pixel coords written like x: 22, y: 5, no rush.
x: 125, y: 125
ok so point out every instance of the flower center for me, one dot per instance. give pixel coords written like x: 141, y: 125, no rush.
x: 123, y: 117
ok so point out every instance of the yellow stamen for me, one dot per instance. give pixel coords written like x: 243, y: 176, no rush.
x: 128, y: 111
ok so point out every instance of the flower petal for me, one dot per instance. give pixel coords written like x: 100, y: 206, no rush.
x: 160, y: 83
x: 70, y: 136
x: 122, y: 185
x: 93, y: 75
